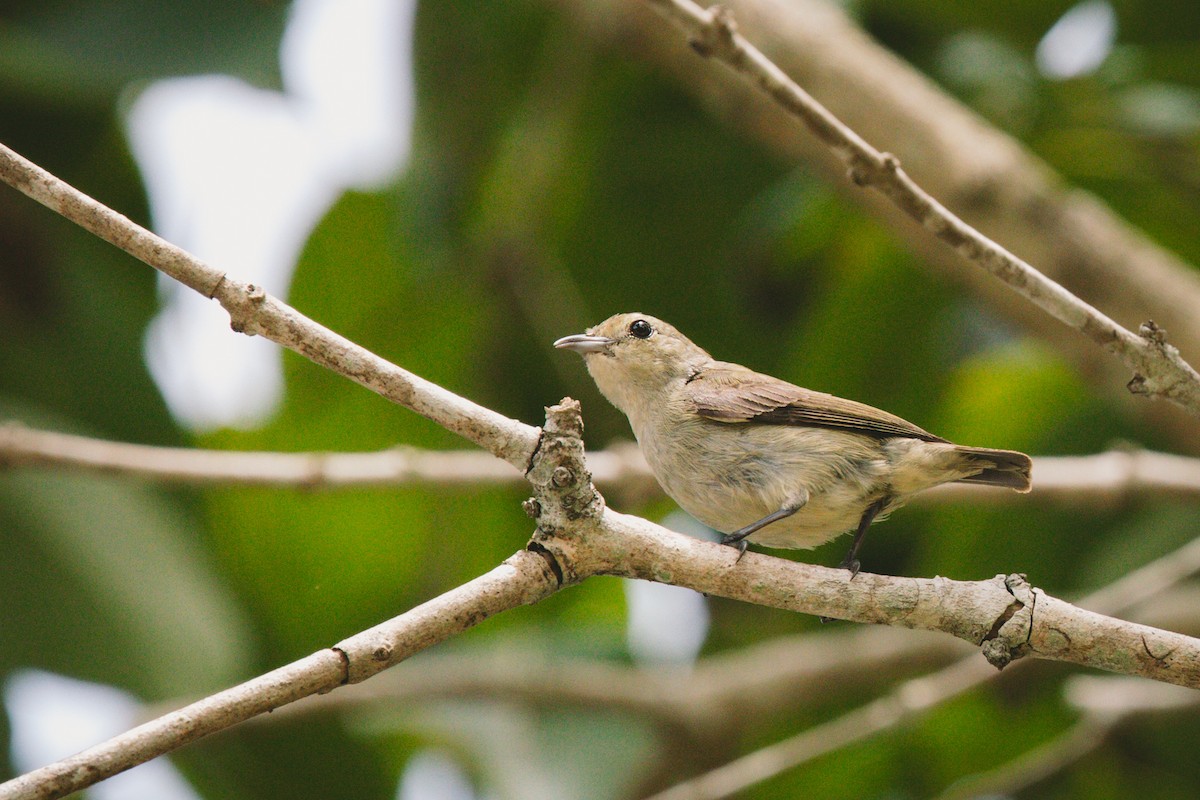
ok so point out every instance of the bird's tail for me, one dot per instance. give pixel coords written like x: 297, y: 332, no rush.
x: 999, y: 468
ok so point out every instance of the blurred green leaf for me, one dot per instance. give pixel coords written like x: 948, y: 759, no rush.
x: 75, y: 51
x: 109, y: 581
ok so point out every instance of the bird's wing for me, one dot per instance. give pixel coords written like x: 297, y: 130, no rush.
x: 734, y: 394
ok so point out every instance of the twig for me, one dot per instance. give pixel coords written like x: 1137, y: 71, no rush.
x: 1037, y: 764
x: 709, y: 702
x: 910, y: 699
x: 1111, y: 477
x: 1159, y: 370
x: 1106, y: 704
x: 252, y: 311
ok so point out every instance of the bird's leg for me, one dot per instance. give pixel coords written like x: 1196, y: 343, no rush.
x: 850, y: 562
x: 737, y: 539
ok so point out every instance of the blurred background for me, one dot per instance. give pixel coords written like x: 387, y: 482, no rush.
x: 454, y: 185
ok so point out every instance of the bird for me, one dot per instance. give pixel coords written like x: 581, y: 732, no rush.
x: 760, y: 459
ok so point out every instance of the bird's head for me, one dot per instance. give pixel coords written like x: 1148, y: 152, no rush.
x: 634, y: 358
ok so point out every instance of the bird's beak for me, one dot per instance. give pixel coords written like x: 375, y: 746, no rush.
x: 584, y: 343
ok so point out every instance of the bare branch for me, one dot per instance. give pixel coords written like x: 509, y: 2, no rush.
x: 524, y: 578
x: 22, y: 446
x: 1037, y: 764
x: 916, y: 696
x: 1005, y: 615
x: 1158, y: 369
x: 909, y: 700
x: 1106, y: 703
x: 398, y: 465
x: 1104, y: 478
x: 707, y: 703
x: 252, y: 311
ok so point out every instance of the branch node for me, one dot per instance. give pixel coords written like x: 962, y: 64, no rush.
x: 549, y: 558
x: 344, y: 657
x: 532, y: 508
x: 1161, y: 365
x: 715, y: 36
x: 242, y: 305
x: 1149, y: 330
x: 1008, y: 639
x: 217, y: 286
x: 562, y: 477
x: 859, y: 173
x: 868, y: 169
x: 563, y: 494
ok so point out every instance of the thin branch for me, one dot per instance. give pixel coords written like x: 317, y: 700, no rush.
x: 1107, y: 478
x: 22, y: 446
x: 524, y: 578
x: 709, y: 702
x: 1111, y: 478
x: 1007, y: 616
x: 1106, y: 704
x: 254, y: 312
x: 1035, y: 765
x: 910, y: 699
x: 1159, y: 370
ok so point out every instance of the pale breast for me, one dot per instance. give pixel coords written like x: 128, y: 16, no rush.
x: 729, y: 475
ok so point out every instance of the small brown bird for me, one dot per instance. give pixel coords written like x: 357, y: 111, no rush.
x: 757, y: 457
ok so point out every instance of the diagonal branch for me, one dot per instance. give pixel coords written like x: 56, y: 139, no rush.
x: 1159, y: 370
x: 524, y: 578
x: 254, y: 312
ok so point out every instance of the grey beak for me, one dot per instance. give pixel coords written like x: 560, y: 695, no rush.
x: 583, y: 343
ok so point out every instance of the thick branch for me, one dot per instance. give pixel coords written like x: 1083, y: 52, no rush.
x: 253, y: 311
x: 1157, y: 366
x: 916, y: 696
x: 1006, y: 616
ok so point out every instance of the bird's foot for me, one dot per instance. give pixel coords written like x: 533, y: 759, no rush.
x: 737, y: 541
x: 851, y: 563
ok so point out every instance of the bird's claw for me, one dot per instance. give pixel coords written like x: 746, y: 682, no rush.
x: 852, y: 564
x: 737, y: 543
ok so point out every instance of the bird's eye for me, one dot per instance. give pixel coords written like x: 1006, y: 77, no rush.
x: 641, y: 329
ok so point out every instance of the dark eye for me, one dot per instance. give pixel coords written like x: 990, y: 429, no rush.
x: 641, y: 329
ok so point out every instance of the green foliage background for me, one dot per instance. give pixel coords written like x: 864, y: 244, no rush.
x: 552, y: 182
